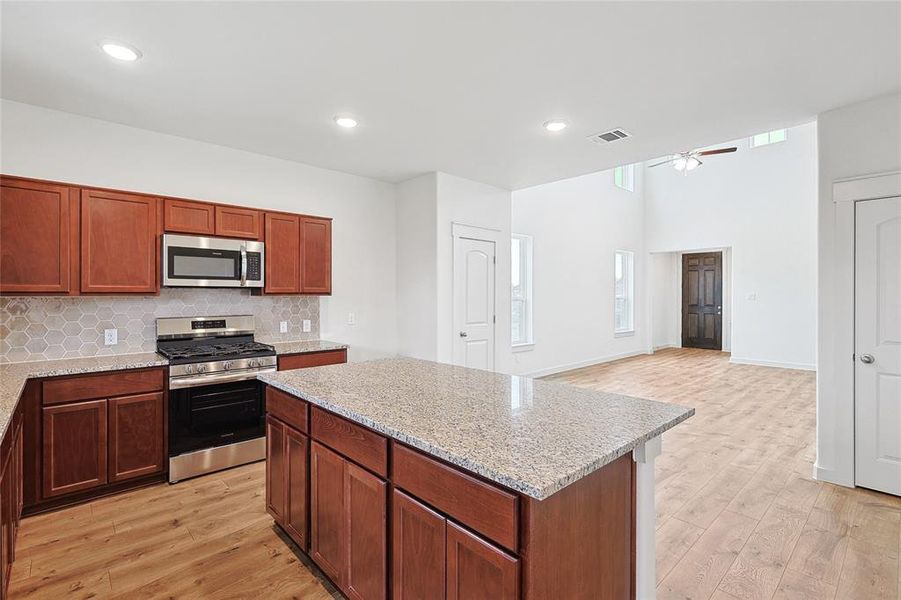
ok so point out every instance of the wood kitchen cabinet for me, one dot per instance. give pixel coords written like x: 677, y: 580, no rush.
x: 10, y: 499
x: 348, y: 522
x: 234, y: 221
x: 187, y: 216
x: 276, y: 471
x: 136, y: 436
x: 119, y: 242
x: 419, y: 544
x: 316, y: 255
x: 478, y: 570
x: 282, y: 254
x: 287, y: 479
x: 38, y: 237
x: 74, y: 447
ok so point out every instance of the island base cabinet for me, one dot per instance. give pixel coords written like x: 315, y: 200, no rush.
x: 348, y: 524
x: 276, y: 472
x: 287, y: 476
x: 477, y: 570
x: 419, y: 541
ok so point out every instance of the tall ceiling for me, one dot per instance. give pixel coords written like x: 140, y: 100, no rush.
x: 456, y: 87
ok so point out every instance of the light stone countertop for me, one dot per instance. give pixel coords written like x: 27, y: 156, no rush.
x: 529, y: 435
x: 13, y: 376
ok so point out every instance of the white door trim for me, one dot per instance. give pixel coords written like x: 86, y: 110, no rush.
x: 836, y: 456
x: 473, y: 232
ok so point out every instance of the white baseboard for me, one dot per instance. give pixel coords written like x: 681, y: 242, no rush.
x: 771, y: 363
x: 832, y: 476
x: 662, y: 346
x: 584, y: 363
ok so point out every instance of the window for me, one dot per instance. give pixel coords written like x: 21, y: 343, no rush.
x: 521, y: 293
x: 624, y: 177
x: 770, y: 137
x: 623, y: 291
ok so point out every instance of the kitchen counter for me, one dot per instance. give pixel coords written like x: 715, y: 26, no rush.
x: 528, y: 435
x: 302, y: 346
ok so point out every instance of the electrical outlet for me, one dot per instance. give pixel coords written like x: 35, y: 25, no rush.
x: 307, y: 326
x: 110, y: 337
x: 283, y: 327
x: 351, y: 319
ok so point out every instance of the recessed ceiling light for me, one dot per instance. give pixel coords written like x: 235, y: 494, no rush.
x: 555, y: 125
x: 121, y: 51
x: 346, y: 122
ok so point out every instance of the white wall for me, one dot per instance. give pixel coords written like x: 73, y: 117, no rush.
x: 760, y: 203
x: 47, y: 144
x: 664, y: 289
x: 417, y: 260
x: 576, y: 225
x: 855, y: 140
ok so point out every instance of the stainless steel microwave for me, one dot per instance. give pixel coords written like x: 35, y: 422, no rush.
x: 194, y: 261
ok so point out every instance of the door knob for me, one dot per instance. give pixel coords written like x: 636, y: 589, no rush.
x: 867, y: 359
x: 463, y: 334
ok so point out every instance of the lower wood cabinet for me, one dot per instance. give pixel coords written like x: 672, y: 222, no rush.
x: 435, y: 558
x: 287, y: 479
x: 135, y: 436
x: 10, y: 499
x: 276, y: 473
x: 348, y: 524
x: 74, y: 447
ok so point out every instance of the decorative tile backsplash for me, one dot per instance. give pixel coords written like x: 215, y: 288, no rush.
x: 39, y: 328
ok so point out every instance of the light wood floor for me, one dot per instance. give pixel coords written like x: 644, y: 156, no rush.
x: 739, y: 516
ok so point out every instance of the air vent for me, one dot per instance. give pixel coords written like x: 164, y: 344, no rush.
x: 610, y: 136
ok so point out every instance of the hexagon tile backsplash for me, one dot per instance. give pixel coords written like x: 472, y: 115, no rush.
x: 40, y: 328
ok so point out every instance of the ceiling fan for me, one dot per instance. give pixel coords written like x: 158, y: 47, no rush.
x: 689, y: 161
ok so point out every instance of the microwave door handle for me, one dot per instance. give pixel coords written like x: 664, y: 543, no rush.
x: 243, y: 265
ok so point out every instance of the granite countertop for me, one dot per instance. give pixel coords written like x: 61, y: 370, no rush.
x: 14, y: 375
x: 532, y: 436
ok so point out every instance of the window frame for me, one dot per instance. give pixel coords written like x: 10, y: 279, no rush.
x: 525, y: 273
x: 628, y: 172
x: 769, y: 138
x: 629, y: 292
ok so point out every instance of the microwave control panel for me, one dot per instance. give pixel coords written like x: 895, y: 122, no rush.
x: 254, y: 266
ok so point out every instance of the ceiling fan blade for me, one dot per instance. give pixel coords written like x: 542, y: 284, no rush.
x: 717, y: 151
x: 665, y: 162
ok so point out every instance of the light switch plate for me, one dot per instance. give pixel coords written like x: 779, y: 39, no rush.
x: 351, y: 318
x: 110, y: 337
x: 307, y: 326
x: 283, y: 327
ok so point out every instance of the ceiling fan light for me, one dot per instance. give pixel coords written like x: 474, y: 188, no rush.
x: 692, y: 163
x: 680, y: 163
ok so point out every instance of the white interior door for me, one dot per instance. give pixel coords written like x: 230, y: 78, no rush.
x: 474, y: 318
x: 877, y: 371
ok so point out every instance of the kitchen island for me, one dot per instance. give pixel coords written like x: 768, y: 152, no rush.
x: 414, y: 479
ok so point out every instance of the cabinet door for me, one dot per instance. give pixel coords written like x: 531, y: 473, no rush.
x: 282, y: 254
x: 477, y: 570
x: 366, y: 501
x: 135, y: 436
x: 5, y: 505
x: 74, y: 447
x: 316, y: 255
x: 297, y: 505
x: 418, y: 546
x: 38, y: 237
x: 185, y: 216
x: 276, y: 469
x: 119, y: 242
x: 328, y: 517
x: 232, y: 221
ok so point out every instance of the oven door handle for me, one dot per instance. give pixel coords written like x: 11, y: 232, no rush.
x: 243, y: 265
x: 176, y: 383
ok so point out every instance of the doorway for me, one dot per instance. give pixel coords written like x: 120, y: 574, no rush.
x: 877, y: 344
x: 475, y: 266
x: 702, y: 300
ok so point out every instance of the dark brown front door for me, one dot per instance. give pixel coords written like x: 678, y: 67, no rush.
x: 702, y: 300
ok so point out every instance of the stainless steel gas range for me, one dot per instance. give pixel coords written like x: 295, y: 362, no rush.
x: 217, y: 407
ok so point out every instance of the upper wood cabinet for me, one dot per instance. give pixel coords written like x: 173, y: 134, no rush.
x: 38, y: 237
x: 135, y: 436
x: 316, y: 255
x: 119, y: 242
x: 186, y: 216
x: 232, y: 221
x: 282, y: 253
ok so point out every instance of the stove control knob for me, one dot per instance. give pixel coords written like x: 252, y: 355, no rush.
x: 227, y: 365
x: 253, y: 363
x: 189, y: 369
x: 201, y: 368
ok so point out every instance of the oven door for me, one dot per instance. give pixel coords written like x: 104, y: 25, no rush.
x: 215, y: 415
x: 192, y: 261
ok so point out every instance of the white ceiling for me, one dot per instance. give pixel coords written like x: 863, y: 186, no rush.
x: 459, y: 88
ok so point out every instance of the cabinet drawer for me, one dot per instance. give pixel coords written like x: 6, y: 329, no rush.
x: 357, y: 443
x: 287, y: 408
x: 107, y: 385
x: 485, y: 508
x: 287, y: 362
